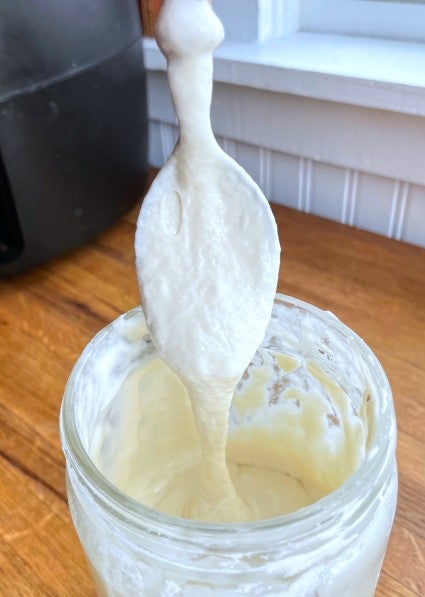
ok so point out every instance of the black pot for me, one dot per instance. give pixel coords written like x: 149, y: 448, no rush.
x: 73, y: 123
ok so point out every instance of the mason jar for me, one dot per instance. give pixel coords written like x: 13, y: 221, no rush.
x: 333, y: 547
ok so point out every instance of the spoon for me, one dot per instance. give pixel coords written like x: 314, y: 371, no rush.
x: 207, y: 255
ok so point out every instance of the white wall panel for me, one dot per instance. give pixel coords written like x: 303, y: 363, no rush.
x: 229, y: 146
x: 155, y: 145
x: 169, y: 136
x: 412, y: 228
x: 327, y: 191
x: 248, y: 156
x: 285, y: 180
x: 372, y: 203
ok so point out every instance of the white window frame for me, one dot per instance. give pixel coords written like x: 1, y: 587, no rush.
x: 365, y: 18
x: 250, y: 21
x: 261, y: 20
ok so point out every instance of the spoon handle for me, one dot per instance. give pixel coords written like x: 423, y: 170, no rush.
x: 188, y: 32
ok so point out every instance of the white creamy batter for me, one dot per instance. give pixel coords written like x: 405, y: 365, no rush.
x: 207, y: 263
x: 207, y: 255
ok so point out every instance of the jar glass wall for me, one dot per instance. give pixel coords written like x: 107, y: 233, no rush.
x: 332, y: 547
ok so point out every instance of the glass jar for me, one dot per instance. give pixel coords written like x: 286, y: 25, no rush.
x: 334, y: 547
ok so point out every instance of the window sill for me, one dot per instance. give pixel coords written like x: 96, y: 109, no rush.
x: 373, y: 73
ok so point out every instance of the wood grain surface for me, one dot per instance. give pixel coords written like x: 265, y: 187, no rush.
x: 375, y: 285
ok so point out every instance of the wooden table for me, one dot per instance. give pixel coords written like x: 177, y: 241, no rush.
x: 375, y: 285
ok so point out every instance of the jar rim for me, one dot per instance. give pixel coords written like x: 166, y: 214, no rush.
x: 128, y: 510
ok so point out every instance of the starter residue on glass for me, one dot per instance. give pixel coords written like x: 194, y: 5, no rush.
x: 207, y: 264
x: 294, y: 434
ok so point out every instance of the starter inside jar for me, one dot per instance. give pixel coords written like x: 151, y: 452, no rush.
x: 294, y: 436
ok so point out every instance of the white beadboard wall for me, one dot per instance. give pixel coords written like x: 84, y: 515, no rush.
x: 359, y: 166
